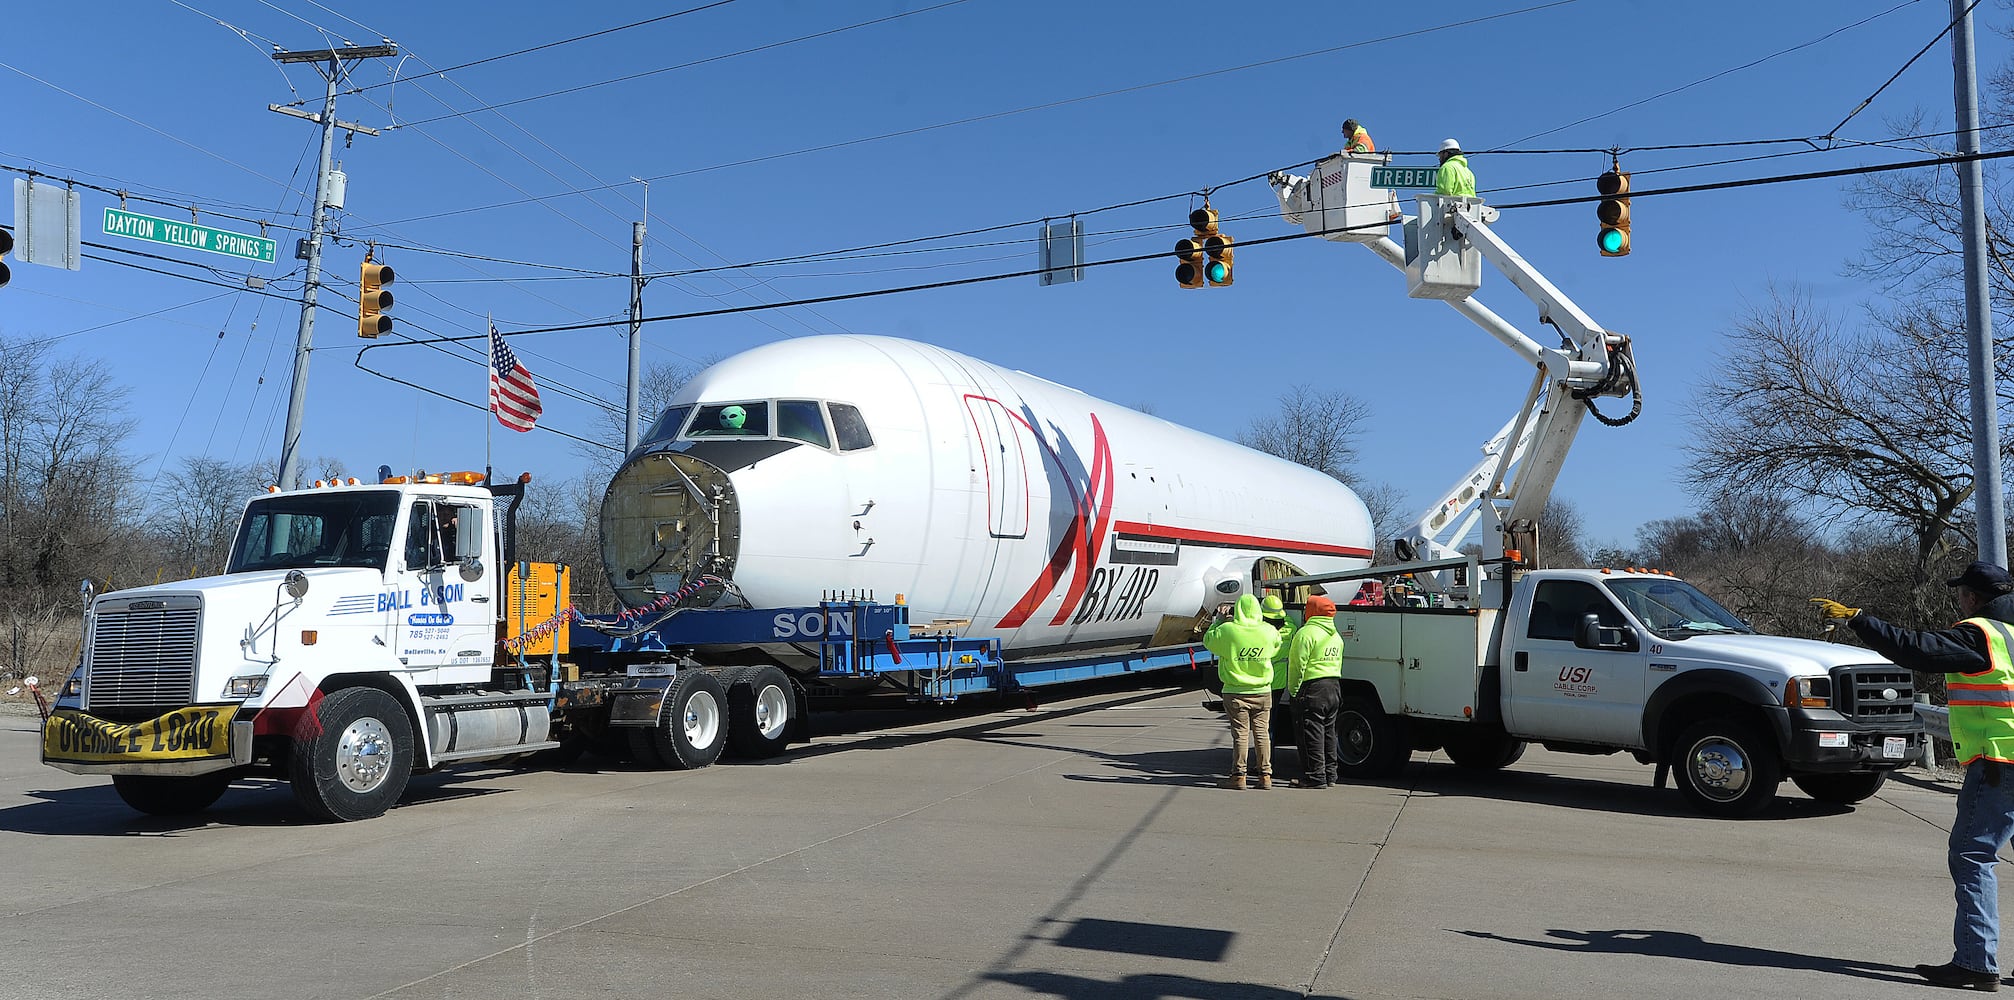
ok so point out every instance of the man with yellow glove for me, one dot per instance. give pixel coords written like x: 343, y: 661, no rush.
x: 1978, y: 670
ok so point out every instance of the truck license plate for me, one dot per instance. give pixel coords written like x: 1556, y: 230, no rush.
x: 1894, y: 747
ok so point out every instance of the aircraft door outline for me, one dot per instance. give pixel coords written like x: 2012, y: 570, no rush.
x: 1005, y: 459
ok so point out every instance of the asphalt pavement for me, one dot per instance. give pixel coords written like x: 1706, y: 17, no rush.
x: 1079, y: 851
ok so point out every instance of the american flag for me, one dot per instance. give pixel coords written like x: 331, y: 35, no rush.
x: 513, y: 397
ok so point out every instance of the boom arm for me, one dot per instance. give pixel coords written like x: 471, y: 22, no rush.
x: 1522, y: 461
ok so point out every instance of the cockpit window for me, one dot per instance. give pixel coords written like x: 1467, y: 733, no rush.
x: 668, y: 424
x: 801, y: 420
x: 850, y: 427
x: 749, y: 419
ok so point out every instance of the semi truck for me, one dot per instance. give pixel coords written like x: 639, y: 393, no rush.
x: 1505, y: 653
x: 834, y: 516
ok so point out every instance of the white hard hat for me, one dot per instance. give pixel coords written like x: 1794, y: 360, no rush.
x: 1449, y: 145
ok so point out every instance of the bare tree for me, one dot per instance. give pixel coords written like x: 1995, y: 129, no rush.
x: 1869, y: 426
x: 661, y: 381
x: 66, y: 488
x: 1561, y: 531
x: 198, y: 517
x: 1317, y: 428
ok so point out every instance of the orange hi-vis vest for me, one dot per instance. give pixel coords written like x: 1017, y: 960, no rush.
x: 1982, y: 704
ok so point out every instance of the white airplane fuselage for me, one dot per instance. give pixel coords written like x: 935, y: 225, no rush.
x: 1029, y: 510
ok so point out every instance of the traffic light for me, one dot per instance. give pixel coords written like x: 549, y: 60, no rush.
x: 373, y: 300
x: 1613, y: 211
x: 6, y: 247
x: 1189, y: 251
x: 1218, y: 247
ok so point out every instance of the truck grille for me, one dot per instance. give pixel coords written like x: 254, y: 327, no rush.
x: 1863, y: 694
x: 142, y: 654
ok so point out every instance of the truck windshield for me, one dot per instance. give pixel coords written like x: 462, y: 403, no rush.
x: 1674, y: 608
x: 316, y: 529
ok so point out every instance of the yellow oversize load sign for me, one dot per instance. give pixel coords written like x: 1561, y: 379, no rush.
x: 193, y: 733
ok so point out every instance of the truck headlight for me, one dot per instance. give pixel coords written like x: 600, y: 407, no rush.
x: 74, y: 687
x: 248, y: 687
x: 1808, y: 692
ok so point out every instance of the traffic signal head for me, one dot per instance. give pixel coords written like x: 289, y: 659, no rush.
x: 6, y: 247
x: 1205, y: 256
x: 1189, y: 262
x: 1613, y: 213
x: 373, y: 300
x: 1218, y: 268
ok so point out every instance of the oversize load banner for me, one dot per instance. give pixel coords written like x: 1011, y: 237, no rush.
x: 185, y: 734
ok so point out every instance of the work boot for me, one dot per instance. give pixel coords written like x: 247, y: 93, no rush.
x: 1265, y: 781
x: 1236, y: 781
x: 1308, y: 783
x: 1953, y: 976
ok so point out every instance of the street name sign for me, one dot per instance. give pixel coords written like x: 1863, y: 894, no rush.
x: 133, y: 225
x: 1404, y: 177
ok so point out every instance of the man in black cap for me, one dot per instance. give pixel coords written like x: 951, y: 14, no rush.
x: 1978, y: 670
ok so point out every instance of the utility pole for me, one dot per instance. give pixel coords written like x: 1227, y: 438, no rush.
x: 1989, y: 504
x: 335, y: 71
x: 632, y: 428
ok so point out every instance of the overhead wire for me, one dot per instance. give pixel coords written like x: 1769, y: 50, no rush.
x: 1862, y: 106
x: 1941, y: 161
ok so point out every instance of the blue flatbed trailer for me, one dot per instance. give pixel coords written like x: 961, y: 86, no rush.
x: 862, y: 638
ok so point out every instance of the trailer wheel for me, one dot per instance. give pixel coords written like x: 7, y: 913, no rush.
x: 1726, y: 768
x: 1843, y: 789
x: 158, y: 795
x: 1483, y: 751
x: 761, y: 712
x: 355, y: 767
x: 691, y: 728
x: 1371, y: 744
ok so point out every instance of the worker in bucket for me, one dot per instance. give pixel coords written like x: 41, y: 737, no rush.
x: 1454, y: 180
x: 1356, y: 139
x: 1314, y: 679
x: 1978, y: 670
x: 1244, y: 646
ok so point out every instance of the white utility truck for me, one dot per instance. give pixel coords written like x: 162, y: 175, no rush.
x: 1578, y: 660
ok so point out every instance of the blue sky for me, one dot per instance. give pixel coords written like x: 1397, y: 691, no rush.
x: 162, y: 100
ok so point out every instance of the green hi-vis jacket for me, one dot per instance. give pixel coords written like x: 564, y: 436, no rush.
x: 1244, y: 647
x: 1284, y: 626
x: 1454, y: 178
x: 1317, y: 653
x: 1982, y: 704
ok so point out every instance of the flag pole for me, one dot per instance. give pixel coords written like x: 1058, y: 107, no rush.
x: 489, y: 422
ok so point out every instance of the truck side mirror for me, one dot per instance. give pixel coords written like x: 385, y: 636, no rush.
x: 1594, y: 635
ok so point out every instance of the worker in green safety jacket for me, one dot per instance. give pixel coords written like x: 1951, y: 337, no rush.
x: 1314, y: 679
x: 1244, y: 647
x: 1274, y: 612
x: 1454, y: 179
x: 1978, y: 670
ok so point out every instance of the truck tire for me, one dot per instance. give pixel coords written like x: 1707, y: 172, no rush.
x: 1841, y: 789
x: 1371, y: 744
x: 1726, y: 768
x: 761, y: 712
x: 691, y: 728
x: 356, y: 766
x: 1491, y: 750
x: 159, y: 795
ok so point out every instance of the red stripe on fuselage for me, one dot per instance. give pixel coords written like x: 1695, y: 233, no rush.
x: 1163, y: 532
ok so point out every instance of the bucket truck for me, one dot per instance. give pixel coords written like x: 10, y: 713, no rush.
x: 1593, y: 661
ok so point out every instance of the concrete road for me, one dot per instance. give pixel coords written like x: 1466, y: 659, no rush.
x: 1080, y: 851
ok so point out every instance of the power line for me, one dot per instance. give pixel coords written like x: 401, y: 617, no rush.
x: 548, y: 45
x: 988, y: 117
x: 687, y: 65
x: 1716, y: 76
x: 979, y: 279
x: 1862, y: 106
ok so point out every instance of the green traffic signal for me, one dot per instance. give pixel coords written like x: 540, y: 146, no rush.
x: 1613, y: 241
x: 1218, y: 271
